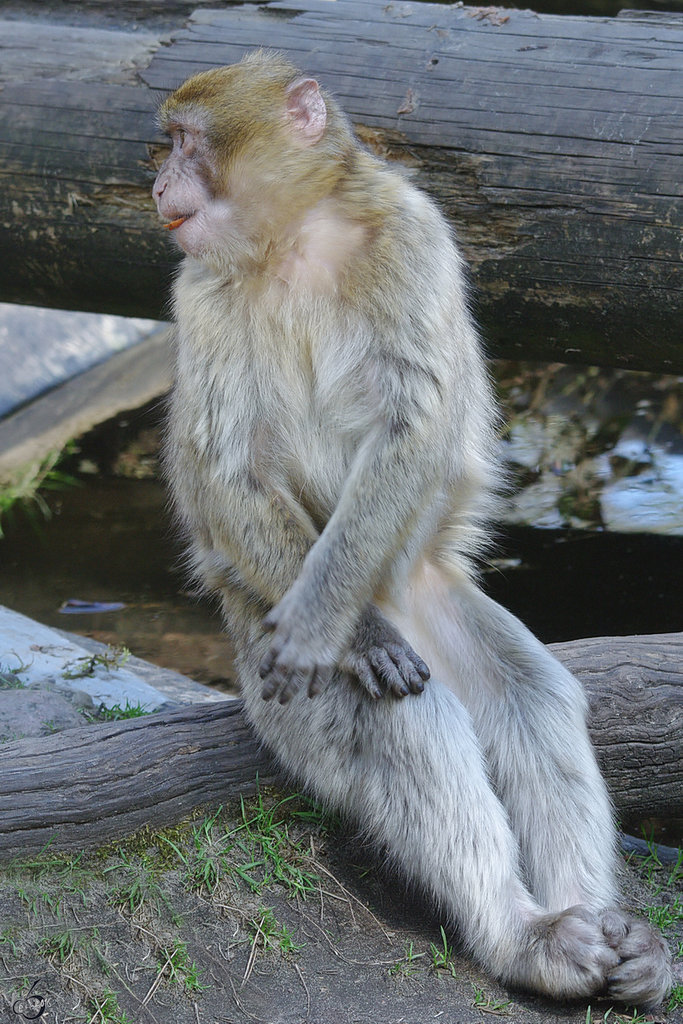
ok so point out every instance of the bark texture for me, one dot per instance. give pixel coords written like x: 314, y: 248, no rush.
x: 552, y: 143
x: 85, y: 786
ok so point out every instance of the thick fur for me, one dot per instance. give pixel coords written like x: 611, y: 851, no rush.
x: 331, y: 451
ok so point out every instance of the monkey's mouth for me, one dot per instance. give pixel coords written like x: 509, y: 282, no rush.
x: 172, y: 225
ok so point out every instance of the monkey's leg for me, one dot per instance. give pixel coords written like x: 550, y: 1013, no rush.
x: 528, y: 712
x: 413, y: 774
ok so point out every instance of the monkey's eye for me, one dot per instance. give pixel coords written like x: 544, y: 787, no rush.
x: 180, y: 132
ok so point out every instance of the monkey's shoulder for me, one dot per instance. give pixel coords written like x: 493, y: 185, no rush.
x: 411, y: 258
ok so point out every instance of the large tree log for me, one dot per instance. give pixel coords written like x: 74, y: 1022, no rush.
x: 553, y: 144
x: 83, y: 787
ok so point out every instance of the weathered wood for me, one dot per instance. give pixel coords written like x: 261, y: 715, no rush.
x: 553, y: 144
x: 635, y: 693
x: 83, y: 787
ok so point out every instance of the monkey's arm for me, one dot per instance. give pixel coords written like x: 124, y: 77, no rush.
x: 266, y: 540
x: 384, y: 506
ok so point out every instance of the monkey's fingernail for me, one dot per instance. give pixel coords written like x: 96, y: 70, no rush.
x: 175, y: 223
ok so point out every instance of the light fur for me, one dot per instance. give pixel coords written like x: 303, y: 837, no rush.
x: 331, y: 452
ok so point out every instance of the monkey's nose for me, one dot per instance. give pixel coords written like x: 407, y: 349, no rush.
x: 159, y: 189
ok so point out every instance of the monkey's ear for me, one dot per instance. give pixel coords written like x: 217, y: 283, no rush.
x: 306, y: 110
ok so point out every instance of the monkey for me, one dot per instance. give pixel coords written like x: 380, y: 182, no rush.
x: 331, y: 453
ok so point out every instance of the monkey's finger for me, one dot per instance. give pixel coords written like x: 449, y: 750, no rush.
x: 365, y: 674
x: 267, y: 663
x: 271, y: 656
x: 358, y: 665
x: 387, y: 671
x: 295, y: 679
x: 270, y: 687
x: 407, y: 660
x: 422, y: 668
x: 318, y: 681
x: 401, y: 658
x: 276, y: 684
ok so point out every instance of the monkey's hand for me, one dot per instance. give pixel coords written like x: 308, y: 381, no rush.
x: 382, y: 660
x: 378, y: 657
x: 298, y: 656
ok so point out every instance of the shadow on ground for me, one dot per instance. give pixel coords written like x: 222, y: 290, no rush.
x: 268, y: 912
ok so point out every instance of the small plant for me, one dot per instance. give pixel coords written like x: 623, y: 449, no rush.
x: 24, y: 491
x: 675, y: 999
x: 59, y: 947
x: 9, y: 677
x: 407, y: 965
x: 117, y: 714
x: 112, y: 658
x: 676, y: 873
x: 610, y: 1017
x: 496, y: 1007
x: 268, y: 933
x: 442, y: 956
x: 7, y: 940
x: 666, y: 916
x: 104, y: 1009
x: 177, y: 968
x: 273, y: 856
x: 137, y: 885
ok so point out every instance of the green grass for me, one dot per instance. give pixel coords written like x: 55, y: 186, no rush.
x: 408, y: 965
x: 135, y: 885
x: 269, y: 933
x: 105, y: 1009
x: 262, y: 851
x: 442, y: 956
x: 24, y: 491
x: 177, y: 968
x: 89, y: 913
x: 665, y: 916
x: 111, y: 658
x: 495, y: 1007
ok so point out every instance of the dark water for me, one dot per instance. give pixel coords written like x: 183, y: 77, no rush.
x: 111, y: 540
x: 573, y: 584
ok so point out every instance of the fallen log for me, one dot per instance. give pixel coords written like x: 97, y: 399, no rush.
x: 83, y: 787
x: 552, y: 143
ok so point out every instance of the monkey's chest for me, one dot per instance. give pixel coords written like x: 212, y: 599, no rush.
x: 283, y: 425
x: 284, y: 393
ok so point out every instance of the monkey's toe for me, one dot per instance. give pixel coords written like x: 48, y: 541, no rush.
x: 643, y: 976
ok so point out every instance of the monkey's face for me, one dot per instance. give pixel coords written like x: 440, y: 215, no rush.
x: 245, y: 162
x: 188, y: 194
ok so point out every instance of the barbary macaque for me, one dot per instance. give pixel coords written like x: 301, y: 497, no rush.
x: 332, y: 454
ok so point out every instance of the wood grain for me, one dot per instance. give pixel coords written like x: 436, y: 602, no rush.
x: 552, y: 143
x: 83, y: 787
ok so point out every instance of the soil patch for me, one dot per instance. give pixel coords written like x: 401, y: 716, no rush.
x: 265, y: 912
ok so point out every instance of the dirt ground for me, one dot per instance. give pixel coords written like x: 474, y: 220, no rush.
x: 267, y: 912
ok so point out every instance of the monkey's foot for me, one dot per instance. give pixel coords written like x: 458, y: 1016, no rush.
x: 565, y: 956
x: 580, y: 953
x: 643, y: 975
